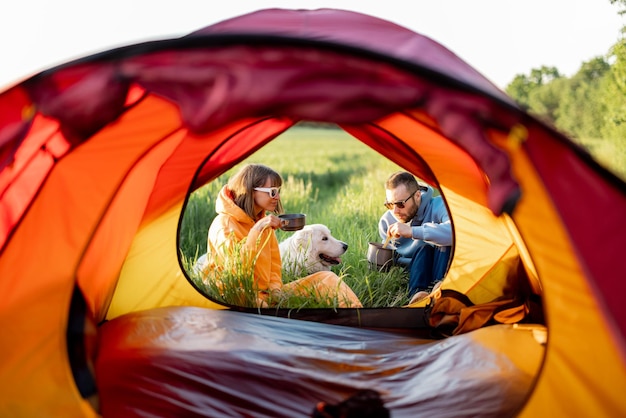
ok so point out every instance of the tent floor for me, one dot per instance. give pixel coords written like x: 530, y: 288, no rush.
x: 194, y: 362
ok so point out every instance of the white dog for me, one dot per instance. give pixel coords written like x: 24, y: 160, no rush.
x: 310, y: 250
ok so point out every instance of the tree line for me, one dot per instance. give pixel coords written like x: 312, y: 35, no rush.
x: 589, y: 106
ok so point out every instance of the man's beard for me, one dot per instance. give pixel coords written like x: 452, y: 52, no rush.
x: 408, y: 218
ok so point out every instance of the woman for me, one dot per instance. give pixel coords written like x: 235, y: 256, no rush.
x: 243, y: 229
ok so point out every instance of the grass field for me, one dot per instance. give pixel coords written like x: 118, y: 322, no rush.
x: 335, y: 180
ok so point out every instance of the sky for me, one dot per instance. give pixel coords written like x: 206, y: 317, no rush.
x: 499, y: 38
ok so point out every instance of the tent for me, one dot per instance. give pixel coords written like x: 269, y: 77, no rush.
x: 98, y: 156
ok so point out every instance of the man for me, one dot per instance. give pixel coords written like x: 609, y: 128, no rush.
x: 420, y: 228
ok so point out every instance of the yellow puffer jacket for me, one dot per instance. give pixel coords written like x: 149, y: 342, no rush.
x: 231, y: 226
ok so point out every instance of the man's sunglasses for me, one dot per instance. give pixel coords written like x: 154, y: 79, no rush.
x: 272, y: 191
x: 400, y: 203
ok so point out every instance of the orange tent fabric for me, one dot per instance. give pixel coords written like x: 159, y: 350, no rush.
x: 98, y: 155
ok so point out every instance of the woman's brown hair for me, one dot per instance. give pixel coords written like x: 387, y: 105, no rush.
x: 242, y: 186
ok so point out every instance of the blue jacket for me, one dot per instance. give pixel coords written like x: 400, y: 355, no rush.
x: 431, y: 226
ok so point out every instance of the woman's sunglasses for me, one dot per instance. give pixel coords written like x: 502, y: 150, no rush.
x: 272, y: 191
x: 400, y: 203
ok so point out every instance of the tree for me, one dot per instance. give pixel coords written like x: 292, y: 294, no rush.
x: 621, y: 2
x: 614, y: 94
x: 544, y: 101
x: 590, y: 106
x: 581, y: 109
x: 522, y: 86
x: 519, y: 89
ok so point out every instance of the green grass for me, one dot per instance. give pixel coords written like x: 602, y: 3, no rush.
x: 335, y: 180
x: 232, y: 282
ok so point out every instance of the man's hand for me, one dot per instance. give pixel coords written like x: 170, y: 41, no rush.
x: 400, y: 229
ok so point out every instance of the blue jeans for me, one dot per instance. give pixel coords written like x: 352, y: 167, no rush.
x: 429, y: 265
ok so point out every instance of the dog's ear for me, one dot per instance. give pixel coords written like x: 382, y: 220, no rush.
x: 301, y: 238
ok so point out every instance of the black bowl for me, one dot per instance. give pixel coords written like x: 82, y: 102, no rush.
x: 292, y: 221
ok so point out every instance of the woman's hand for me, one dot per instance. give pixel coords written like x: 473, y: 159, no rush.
x: 271, y: 221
